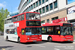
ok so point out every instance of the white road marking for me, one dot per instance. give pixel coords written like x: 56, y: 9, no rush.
x: 60, y: 43
x: 51, y: 43
x: 39, y: 45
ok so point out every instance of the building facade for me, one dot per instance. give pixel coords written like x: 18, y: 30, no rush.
x: 50, y: 10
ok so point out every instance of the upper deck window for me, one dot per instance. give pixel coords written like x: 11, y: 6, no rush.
x: 15, y: 19
x: 22, y: 17
x: 32, y: 16
x: 18, y: 18
x: 8, y: 21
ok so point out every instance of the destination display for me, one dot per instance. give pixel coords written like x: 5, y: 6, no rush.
x: 33, y: 23
x: 67, y: 25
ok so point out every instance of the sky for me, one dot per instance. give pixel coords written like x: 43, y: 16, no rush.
x: 11, y: 5
x: 70, y: 1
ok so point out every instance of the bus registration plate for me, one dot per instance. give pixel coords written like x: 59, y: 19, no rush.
x: 68, y: 40
x: 34, y: 40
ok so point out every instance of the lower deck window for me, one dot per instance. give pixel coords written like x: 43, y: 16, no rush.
x: 53, y: 30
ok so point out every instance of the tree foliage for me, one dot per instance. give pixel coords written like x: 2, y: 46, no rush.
x: 3, y: 15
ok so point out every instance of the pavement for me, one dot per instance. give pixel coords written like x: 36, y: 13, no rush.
x: 43, y: 45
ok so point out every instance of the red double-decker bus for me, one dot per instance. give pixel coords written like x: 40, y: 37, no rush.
x: 57, y: 32
x: 25, y: 27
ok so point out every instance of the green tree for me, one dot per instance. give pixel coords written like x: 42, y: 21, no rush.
x: 3, y: 15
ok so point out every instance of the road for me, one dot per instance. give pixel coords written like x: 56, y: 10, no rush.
x: 8, y: 45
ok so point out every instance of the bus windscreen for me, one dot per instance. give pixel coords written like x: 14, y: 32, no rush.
x: 33, y: 31
x: 65, y: 30
x: 32, y: 16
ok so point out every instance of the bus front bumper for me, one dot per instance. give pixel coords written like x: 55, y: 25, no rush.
x: 34, y: 40
x: 64, y: 39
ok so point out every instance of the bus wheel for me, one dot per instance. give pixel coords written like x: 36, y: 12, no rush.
x: 71, y: 41
x: 50, y: 39
x: 6, y: 38
x: 18, y: 40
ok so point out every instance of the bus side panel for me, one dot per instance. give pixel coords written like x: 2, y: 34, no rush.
x: 55, y: 37
x: 44, y: 37
x: 23, y: 38
x: 21, y: 26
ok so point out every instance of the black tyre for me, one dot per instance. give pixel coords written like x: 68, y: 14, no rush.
x: 71, y: 41
x: 7, y: 38
x: 18, y: 40
x: 50, y: 39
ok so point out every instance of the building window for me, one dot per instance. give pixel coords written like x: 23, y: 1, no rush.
x: 55, y: 4
x: 55, y: 18
x: 51, y: 6
x: 36, y: 3
x: 43, y: 9
x: 31, y: 6
x: 43, y: 1
x: 39, y: 2
x: 46, y: 0
x: 36, y: 10
x: 71, y: 10
x: 43, y: 21
x: 47, y: 20
x: 29, y: 0
x: 47, y: 8
x: 40, y: 11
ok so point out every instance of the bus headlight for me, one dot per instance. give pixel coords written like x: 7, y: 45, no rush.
x: 61, y: 36
x: 28, y: 38
x: 40, y: 37
x: 71, y: 38
x: 64, y: 38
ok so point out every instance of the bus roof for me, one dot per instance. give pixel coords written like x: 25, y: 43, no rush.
x: 54, y: 24
x: 21, y: 14
x: 8, y: 18
x: 25, y: 12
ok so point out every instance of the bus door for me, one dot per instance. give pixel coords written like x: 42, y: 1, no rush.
x: 56, y: 35
x: 44, y: 33
x: 22, y: 36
